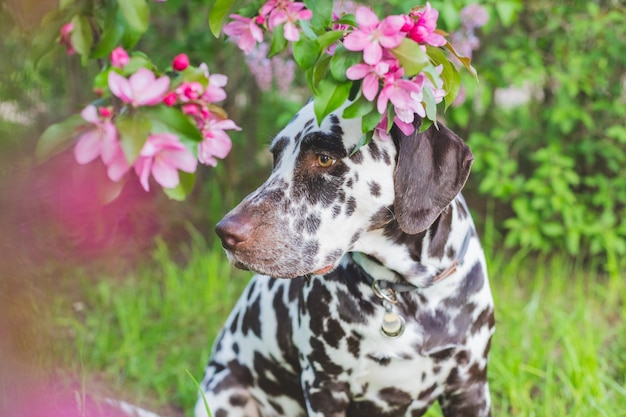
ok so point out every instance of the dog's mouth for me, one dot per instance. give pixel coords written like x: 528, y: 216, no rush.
x: 279, y: 271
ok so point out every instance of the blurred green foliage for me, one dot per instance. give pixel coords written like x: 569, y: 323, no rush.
x: 545, y: 122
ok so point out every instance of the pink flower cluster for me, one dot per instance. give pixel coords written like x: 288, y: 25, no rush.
x: 163, y: 154
x: 197, y: 102
x: 383, y: 77
x: 247, y: 32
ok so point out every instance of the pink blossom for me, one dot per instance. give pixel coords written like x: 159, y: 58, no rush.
x: 119, y: 57
x: 289, y: 13
x: 474, y: 16
x: 214, y: 92
x: 180, y: 62
x: 244, y: 31
x: 66, y: 40
x: 423, y: 30
x: 216, y: 142
x: 101, y: 141
x: 381, y: 129
x: 398, y: 91
x: 163, y: 155
x: 371, y: 75
x: 373, y: 35
x: 141, y: 89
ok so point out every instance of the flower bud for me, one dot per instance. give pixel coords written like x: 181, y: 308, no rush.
x: 170, y: 99
x: 180, y: 62
x: 119, y: 57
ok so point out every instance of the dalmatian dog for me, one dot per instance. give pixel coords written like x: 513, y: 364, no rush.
x: 384, y: 305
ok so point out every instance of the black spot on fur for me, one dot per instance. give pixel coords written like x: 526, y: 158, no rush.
x: 336, y: 210
x: 357, y: 157
x: 334, y: 333
x: 252, y: 319
x: 427, y: 393
x: 353, y: 343
x: 238, y: 400
x: 350, y: 206
x: 384, y: 360
x: 320, y: 357
x: 275, y: 380
x: 278, y: 148
x: 221, y: 413
x: 374, y: 188
x: 374, y: 150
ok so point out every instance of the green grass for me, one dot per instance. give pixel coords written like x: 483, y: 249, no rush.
x: 559, y: 347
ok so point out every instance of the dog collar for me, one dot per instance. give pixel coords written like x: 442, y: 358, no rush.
x: 393, y: 324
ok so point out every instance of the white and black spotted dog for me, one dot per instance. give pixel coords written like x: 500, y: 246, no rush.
x: 388, y: 307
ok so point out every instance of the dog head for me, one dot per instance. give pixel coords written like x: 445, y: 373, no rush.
x: 322, y: 197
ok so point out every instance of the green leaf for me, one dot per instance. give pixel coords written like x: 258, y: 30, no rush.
x: 305, y: 52
x: 449, y: 75
x: 279, y: 43
x: 101, y: 80
x: 347, y: 19
x: 134, y: 63
x: 358, y: 108
x: 174, y: 120
x: 341, y: 61
x: 58, y: 137
x: 464, y: 60
x: 133, y: 131
x: 430, y: 104
x: 329, y: 38
x: 184, y: 187
x: 218, y: 13
x: 370, y: 121
x: 81, y: 36
x: 318, y: 72
x: 111, y: 35
x: 136, y: 14
x: 411, y: 56
x: 329, y: 97
x: 322, y: 13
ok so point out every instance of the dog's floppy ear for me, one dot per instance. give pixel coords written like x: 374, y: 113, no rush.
x: 431, y: 170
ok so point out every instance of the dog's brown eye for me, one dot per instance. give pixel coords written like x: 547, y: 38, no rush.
x: 325, y: 161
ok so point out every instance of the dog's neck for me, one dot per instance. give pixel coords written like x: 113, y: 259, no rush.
x: 418, y: 259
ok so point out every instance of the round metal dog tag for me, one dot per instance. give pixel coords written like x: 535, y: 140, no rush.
x: 393, y: 325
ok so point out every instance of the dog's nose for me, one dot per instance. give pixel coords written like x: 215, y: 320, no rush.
x: 233, y: 230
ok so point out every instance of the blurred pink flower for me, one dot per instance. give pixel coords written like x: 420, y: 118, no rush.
x: 214, y: 92
x: 216, y: 141
x: 474, y: 16
x: 180, y: 62
x: 371, y: 75
x: 289, y: 13
x: 141, y: 89
x: 119, y: 57
x: 423, y: 30
x: 373, y: 35
x: 66, y: 40
x: 101, y: 141
x: 244, y: 31
x: 162, y: 156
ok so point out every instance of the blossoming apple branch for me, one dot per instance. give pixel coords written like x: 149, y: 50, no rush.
x: 161, y: 124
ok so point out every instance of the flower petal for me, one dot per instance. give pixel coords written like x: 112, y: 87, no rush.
x: 366, y: 18
x: 180, y: 159
x: 165, y: 174
x: 90, y: 114
x: 88, y: 147
x: 142, y: 169
x: 120, y: 87
x: 152, y: 93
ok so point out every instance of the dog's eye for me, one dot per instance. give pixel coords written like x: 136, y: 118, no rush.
x: 325, y: 161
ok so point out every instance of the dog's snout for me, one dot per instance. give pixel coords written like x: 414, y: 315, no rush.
x: 234, y: 230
